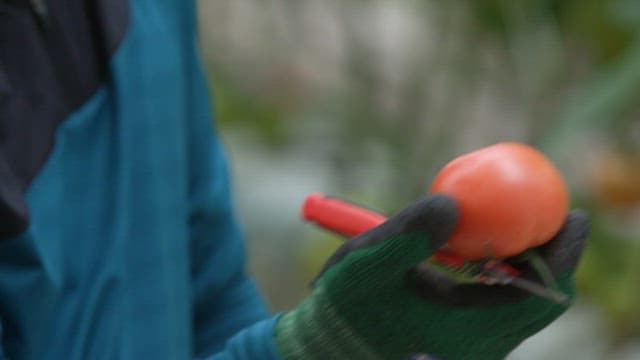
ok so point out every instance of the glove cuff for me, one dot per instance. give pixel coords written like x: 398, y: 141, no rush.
x: 314, y: 330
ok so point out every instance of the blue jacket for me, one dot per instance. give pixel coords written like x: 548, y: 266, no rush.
x: 117, y: 232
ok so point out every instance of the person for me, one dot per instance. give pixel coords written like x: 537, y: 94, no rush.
x: 118, y: 233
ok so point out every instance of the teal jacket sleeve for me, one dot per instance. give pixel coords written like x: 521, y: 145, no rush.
x: 225, y: 299
x: 253, y: 343
x: 230, y: 318
x: 229, y: 315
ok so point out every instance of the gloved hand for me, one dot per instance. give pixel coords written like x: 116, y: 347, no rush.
x: 371, y: 301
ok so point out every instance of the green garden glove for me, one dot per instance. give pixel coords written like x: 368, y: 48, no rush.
x: 372, y: 301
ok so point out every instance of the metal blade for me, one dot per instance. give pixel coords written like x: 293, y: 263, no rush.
x: 492, y: 276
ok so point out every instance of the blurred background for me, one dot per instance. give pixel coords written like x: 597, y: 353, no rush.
x: 366, y: 100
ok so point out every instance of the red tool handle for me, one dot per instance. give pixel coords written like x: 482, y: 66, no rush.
x: 340, y: 216
x: 351, y: 220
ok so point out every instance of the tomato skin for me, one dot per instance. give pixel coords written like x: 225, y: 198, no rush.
x: 511, y: 197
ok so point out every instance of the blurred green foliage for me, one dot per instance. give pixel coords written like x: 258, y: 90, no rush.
x: 605, y: 27
x: 234, y: 107
x: 608, y: 274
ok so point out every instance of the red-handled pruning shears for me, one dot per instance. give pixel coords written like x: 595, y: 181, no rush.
x: 350, y: 220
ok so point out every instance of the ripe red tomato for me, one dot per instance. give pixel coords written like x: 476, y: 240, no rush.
x: 511, y: 198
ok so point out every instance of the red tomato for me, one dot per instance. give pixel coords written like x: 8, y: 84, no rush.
x: 511, y: 198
